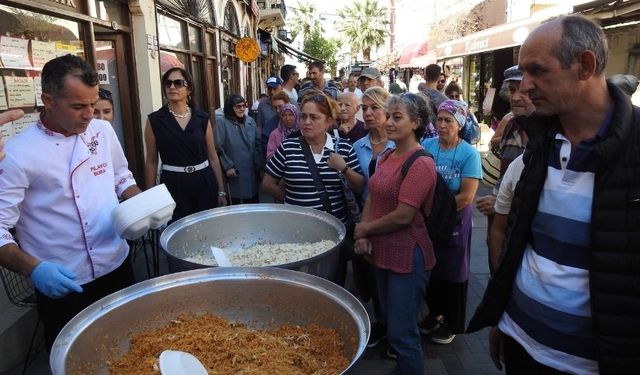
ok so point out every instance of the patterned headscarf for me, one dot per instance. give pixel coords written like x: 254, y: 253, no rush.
x: 456, y: 108
x: 288, y: 107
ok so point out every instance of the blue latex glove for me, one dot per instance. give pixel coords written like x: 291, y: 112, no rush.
x: 54, y: 280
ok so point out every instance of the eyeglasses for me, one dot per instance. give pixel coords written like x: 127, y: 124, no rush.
x: 442, y: 81
x: 240, y: 106
x: 177, y: 83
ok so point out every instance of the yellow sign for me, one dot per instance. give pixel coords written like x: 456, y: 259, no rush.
x: 247, y: 49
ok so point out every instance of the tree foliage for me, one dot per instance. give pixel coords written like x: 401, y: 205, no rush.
x: 458, y: 25
x: 322, y: 48
x: 364, y: 26
x: 304, y: 21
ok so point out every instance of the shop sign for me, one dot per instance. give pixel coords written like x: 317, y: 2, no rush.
x: 102, y: 68
x: 76, y: 6
x: 68, y: 3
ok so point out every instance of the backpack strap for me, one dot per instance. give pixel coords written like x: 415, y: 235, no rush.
x: 409, y: 162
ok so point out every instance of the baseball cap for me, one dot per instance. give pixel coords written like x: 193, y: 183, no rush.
x: 513, y: 74
x: 273, y: 82
x: 371, y: 73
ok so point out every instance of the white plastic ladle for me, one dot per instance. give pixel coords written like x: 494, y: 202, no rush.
x: 175, y: 362
x: 220, y: 256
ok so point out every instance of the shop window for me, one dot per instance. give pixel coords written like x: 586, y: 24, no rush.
x: 231, y: 19
x: 171, y: 32
x: 28, y: 40
x: 195, y: 42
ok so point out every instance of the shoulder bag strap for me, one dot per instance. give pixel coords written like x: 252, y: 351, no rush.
x: 315, y: 174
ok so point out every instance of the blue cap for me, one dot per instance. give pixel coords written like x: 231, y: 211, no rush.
x: 513, y: 74
x: 273, y: 82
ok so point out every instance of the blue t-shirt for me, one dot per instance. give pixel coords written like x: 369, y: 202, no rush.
x: 455, y: 163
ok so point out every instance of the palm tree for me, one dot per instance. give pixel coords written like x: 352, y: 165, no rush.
x: 305, y: 20
x: 364, y: 26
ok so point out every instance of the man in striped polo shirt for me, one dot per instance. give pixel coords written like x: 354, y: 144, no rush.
x: 565, y: 298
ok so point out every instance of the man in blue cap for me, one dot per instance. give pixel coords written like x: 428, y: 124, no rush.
x: 266, y: 110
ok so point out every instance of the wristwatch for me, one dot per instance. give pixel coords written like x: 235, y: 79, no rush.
x: 345, y: 169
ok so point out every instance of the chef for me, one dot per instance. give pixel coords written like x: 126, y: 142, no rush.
x: 59, y: 181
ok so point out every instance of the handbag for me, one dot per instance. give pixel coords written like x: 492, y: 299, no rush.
x: 491, y: 168
x: 353, y: 208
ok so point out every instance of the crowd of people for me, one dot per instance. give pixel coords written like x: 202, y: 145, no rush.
x: 564, y: 228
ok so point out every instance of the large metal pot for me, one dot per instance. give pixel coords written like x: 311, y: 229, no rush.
x: 235, y: 227
x: 259, y: 297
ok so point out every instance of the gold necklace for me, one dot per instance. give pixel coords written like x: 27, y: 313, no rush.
x: 179, y: 115
x: 379, y: 142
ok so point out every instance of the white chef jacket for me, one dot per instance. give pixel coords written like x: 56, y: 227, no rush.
x: 59, y: 192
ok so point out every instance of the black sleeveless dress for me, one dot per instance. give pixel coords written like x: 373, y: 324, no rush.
x: 193, y: 192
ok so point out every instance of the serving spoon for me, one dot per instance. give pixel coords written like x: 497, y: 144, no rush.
x: 175, y: 362
x: 220, y: 257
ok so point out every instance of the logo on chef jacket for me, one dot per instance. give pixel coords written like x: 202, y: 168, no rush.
x: 99, y: 169
x: 93, y: 144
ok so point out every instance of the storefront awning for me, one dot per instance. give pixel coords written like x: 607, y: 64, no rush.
x: 416, y: 55
x: 289, y: 50
x: 502, y: 36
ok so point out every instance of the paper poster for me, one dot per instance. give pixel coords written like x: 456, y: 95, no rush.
x: 14, y: 52
x: 37, y: 87
x: 6, y: 130
x: 3, y: 97
x: 103, y: 72
x: 27, y: 120
x: 41, y: 52
x: 487, y: 105
x: 64, y: 49
x: 20, y: 92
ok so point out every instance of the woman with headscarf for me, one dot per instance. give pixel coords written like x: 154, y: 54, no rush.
x: 459, y: 164
x: 183, y: 138
x: 289, y: 123
x: 240, y: 148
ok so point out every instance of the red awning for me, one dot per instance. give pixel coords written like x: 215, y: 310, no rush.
x: 415, y: 55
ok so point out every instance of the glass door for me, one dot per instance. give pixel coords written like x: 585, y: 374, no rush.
x: 113, y: 59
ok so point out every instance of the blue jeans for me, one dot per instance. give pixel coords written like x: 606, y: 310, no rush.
x: 401, y: 295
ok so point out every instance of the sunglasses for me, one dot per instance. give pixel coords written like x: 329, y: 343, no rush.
x: 177, y: 83
x: 104, y: 94
x: 240, y: 106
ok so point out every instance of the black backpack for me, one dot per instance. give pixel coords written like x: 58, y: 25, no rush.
x: 442, y: 220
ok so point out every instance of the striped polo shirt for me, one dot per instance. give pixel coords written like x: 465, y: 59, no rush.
x: 289, y: 163
x: 549, y: 312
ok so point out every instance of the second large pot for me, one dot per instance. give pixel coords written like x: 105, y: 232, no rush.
x: 240, y: 226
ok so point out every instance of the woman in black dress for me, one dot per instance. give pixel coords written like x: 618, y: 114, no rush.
x: 183, y: 138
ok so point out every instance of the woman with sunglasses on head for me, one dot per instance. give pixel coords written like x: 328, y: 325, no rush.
x: 240, y: 147
x: 393, y: 229
x: 103, y: 109
x: 183, y: 138
x: 303, y: 181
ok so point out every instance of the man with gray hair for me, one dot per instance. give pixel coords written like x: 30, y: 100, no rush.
x: 348, y: 125
x: 565, y: 297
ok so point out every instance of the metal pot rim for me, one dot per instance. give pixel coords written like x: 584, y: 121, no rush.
x: 86, y: 317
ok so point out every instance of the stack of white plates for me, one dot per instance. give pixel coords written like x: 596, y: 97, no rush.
x: 148, y: 210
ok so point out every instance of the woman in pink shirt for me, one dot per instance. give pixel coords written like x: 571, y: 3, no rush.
x: 393, y: 230
x: 289, y: 123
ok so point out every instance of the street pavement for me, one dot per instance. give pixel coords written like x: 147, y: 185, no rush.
x: 468, y: 354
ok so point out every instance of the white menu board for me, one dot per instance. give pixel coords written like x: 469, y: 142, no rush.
x: 6, y: 130
x: 27, y: 120
x: 41, y: 52
x: 3, y: 97
x: 37, y: 88
x: 14, y: 52
x: 20, y: 92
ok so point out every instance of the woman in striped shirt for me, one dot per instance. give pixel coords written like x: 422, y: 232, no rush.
x: 289, y: 164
